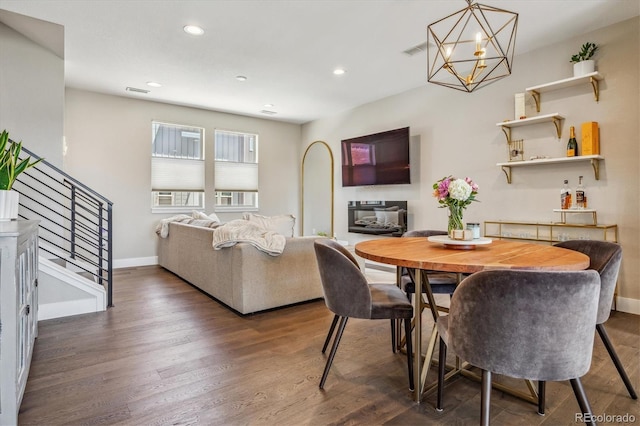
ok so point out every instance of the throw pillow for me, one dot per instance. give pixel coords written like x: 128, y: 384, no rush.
x: 199, y: 215
x: 282, y: 224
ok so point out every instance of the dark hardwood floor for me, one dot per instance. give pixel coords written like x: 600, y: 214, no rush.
x: 167, y: 354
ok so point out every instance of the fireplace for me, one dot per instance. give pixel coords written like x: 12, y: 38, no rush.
x: 378, y: 217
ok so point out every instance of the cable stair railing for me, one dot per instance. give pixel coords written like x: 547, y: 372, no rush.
x: 75, y: 221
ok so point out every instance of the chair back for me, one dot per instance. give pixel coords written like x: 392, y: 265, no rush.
x: 605, y: 257
x: 534, y: 325
x: 346, y: 291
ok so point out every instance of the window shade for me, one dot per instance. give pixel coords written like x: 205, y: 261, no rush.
x: 232, y: 176
x: 176, y: 174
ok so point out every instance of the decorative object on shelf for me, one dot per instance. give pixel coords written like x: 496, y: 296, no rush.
x: 581, y: 195
x: 455, y: 194
x: 565, y: 196
x: 582, y: 62
x: 10, y: 167
x: 572, y: 145
x: 472, y: 47
x: 590, y: 138
x: 516, y: 150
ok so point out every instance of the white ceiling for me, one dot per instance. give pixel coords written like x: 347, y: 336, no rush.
x: 286, y: 48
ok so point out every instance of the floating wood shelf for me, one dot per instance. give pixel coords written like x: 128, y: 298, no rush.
x: 592, y: 78
x: 593, y: 159
x: 554, y: 118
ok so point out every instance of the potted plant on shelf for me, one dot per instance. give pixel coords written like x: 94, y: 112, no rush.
x: 582, y: 62
x: 10, y: 167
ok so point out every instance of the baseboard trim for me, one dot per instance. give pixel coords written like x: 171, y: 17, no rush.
x: 64, y: 309
x: 625, y: 304
x: 135, y: 261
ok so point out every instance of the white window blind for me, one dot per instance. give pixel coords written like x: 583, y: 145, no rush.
x: 177, y: 174
x: 177, y: 167
x: 232, y: 176
x: 236, y: 171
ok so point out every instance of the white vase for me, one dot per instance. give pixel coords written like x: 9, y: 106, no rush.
x: 8, y: 205
x: 584, y: 67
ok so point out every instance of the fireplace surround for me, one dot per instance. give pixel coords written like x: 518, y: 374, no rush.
x: 378, y: 217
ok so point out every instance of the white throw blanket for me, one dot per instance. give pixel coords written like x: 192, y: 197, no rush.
x: 162, y: 229
x: 244, y: 231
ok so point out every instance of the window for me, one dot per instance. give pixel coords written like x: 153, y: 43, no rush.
x: 177, y: 167
x: 236, y: 170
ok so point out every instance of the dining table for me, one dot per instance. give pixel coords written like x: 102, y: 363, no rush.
x: 419, y: 254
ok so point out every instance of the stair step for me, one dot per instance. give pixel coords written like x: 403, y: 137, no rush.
x: 59, y: 261
x: 87, y: 275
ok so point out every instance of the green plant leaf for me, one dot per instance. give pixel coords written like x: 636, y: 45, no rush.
x: 10, y: 164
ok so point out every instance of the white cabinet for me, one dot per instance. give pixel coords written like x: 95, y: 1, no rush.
x: 18, y: 312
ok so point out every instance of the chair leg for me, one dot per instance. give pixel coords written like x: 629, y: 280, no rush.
x: 486, y: 398
x: 407, y: 332
x: 334, y: 349
x: 583, y: 402
x: 616, y: 361
x: 541, y: 392
x: 333, y: 327
x: 393, y: 335
x: 442, y: 359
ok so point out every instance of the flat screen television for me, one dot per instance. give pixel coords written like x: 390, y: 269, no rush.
x: 378, y: 159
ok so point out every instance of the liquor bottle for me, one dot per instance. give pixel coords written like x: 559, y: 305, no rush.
x: 572, y: 145
x: 565, y: 196
x: 581, y: 196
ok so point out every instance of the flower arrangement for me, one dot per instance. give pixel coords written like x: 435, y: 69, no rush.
x: 455, y: 194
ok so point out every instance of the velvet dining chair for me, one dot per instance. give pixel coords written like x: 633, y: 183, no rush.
x: 535, y: 325
x: 605, y: 257
x: 440, y: 282
x: 348, y: 295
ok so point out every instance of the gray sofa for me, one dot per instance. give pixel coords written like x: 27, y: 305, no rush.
x: 242, y: 277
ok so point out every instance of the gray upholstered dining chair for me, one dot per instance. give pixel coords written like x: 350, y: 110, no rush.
x: 605, y: 257
x: 535, y: 325
x: 348, y: 295
x: 440, y: 282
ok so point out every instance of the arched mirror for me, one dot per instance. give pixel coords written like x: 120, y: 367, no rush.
x: 317, y: 190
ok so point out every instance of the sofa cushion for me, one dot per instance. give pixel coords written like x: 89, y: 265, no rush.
x: 282, y: 224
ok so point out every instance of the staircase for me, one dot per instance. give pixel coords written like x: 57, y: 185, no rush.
x: 75, y: 250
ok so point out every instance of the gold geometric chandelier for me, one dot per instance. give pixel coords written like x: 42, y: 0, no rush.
x: 472, y: 47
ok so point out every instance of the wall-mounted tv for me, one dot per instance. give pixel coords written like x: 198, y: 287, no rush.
x: 378, y: 159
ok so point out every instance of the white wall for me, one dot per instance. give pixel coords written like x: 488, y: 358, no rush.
x: 455, y: 133
x: 31, y: 95
x: 109, y: 149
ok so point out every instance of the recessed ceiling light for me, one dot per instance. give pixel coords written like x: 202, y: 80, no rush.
x: 135, y: 89
x: 153, y: 84
x: 193, y: 30
x: 269, y: 105
x: 241, y: 78
x: 339, y: 71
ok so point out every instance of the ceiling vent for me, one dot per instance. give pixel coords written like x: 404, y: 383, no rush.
x: 422, y: 47
x: 135, y: 89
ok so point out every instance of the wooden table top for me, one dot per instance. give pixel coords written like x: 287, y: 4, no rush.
x: 418, y: 253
